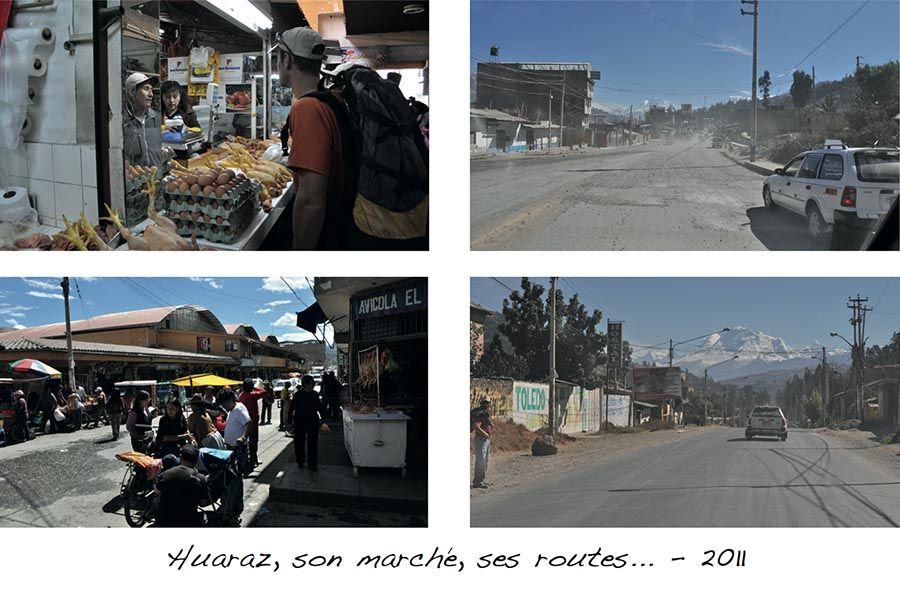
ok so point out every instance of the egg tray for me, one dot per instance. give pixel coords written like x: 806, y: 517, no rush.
x: 227, y: 232
x: 176, y: 202
x: 136, y: 184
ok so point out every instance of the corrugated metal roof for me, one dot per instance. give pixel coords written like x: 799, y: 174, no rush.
x: 497, y: 115
x: 59, y: 345
x: 118, y: 320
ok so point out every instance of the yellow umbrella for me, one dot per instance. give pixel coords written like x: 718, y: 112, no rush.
x: 203, y: 380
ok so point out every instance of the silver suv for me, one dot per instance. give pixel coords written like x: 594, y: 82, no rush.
x: 767, y: 421
x: 843, y: 192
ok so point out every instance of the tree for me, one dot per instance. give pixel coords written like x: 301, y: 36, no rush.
x: 812, y: 408
x: 765, y: 83
x: 497, y: 362
x: 580, y: 346
x: 801, y: 90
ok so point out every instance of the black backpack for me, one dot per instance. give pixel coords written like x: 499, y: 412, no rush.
x: 386, y: 160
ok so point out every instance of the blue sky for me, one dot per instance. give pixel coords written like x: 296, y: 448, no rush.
x: 802, y: 311
x: 266, y: 303
x: 648, y: 60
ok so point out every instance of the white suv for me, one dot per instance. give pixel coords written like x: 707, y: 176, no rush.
x: 767, y: 421
x: 843, y: 192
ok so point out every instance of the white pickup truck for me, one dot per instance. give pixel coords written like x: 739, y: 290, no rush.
x: 767, y: 421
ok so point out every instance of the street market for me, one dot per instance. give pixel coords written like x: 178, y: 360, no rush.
x: 198, y: 152
x: 269, y: 424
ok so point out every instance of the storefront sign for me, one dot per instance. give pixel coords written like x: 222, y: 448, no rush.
x: 657, y: 383
x: 530, y: 397
x: 178, y: 69
x: 614, y: 344
x: 231, y: 68
x: 413, y: 296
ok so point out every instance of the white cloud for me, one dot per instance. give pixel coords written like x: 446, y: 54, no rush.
x: 45, y: 295
x: 15, y: 324
x: 208, y: 280
x: 728, y: 47
x: 38, y: 284
x: 276, y: 284
x: 278, y: 303
x: 288, y: 319
x: 301, y: 336
x: 264, y: 310
x: 87, y: 279
x: 13, y: 311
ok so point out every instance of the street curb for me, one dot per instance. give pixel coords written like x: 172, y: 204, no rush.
x: 749, y: 165
x: 350, y: 500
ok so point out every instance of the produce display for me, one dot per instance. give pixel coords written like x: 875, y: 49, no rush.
x: 273, y: 176
x: 216, y: 204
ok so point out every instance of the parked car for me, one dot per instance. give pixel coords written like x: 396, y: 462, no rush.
x: 842, y: 192
x: 717, y: 142
x: 767, y: 421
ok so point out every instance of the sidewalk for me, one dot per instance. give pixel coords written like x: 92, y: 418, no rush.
x: 763, y: 167
x: 576, y: 150
x: 334, y: 484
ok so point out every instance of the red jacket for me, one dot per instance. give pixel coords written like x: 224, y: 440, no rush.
x: 250, y: 399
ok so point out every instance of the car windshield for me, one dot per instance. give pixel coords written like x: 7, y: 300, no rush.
x: 766, y: 412
x: 878, y: 167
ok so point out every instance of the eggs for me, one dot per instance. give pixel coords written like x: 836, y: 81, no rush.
x: 183, y: 188
x: 206, y: 181
x: 221, y: 190
x: 191, y: 180
x: 224, y: 178
x: 209, y: 190
x: 195, y: 188
x: 172, y: 186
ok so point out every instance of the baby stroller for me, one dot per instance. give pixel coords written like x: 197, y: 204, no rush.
x: 226, y: 486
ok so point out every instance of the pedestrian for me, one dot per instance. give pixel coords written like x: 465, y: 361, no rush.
x: 114, y: 407
x: 305, y: 408
x: 201, y: 426
x: 250, y: 398
x: 330, y: 391
x: 142, y: 138
x: 76, y: 408
x: 14, y: 413
x: 268, y: 400
x: 482, y: 426
x: 322, y: 213
x: 236, y: 427
x: 182, y: 490
x: 139, y: 425
x: 285, y: 424
x: 172, y: 431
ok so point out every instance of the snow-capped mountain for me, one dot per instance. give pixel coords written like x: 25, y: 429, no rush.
x: 756, y: 352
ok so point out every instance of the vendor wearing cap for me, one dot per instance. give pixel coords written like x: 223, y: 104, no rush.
x: 141, y: 124
x: 322, y: 215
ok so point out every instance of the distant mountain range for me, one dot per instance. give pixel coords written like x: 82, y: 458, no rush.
x: 756, y: 352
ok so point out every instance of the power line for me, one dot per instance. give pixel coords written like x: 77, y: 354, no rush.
x: 829, y: 36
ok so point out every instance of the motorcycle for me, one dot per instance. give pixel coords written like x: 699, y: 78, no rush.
x: 226, y: 490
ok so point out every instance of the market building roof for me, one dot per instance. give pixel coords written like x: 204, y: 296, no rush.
x: 83, y: 347
x: 118, y: 320
x: 243, y: 330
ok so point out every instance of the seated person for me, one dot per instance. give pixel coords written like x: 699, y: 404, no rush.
x: 173, y: 428
x: 182, y: 490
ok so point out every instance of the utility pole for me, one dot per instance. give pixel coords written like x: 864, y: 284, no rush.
x: 858, y: 321
x: 825, y: 411
x: 552, y: 395
x: 562, y: 112
x: 755, y: 15
x: 813, y: 125
x: 550, y: 121
x: 705, y: 393
x: 671, y: 352
x: 71, y: 356
x: 857, y: 60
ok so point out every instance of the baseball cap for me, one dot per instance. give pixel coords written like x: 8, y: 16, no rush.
x: 136, y: 79
x: 303, y: 42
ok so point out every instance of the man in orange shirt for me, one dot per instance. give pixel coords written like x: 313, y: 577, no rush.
x: 323, y: 214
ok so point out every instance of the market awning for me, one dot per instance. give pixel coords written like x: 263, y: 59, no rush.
x: 310, y: 318
x: 29, y: 366
x: 203, y: 380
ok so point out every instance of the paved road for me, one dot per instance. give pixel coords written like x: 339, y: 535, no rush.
x: 714, y: 478
x: 685, y: 196
x: 73, y: 479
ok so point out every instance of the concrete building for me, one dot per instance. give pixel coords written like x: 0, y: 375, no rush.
x: 534, y: 91
x: 170, y: 341
x: 309, y: 353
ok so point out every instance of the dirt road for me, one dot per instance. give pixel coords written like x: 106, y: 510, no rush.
x: 685, y: 196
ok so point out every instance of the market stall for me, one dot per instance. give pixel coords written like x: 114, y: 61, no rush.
x: 190, y: 91
x: 388, y: 357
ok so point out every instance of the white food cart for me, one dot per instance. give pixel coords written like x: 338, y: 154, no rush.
x: 375, y: 439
